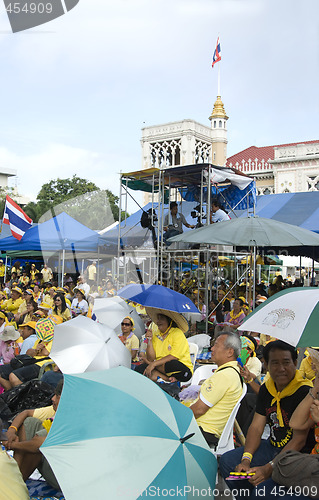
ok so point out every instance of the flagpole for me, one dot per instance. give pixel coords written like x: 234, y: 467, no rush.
x: 218, y: 88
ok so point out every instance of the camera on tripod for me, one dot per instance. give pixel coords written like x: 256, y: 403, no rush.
x: 198, y: 214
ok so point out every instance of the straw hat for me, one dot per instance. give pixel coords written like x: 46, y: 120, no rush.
x: 178, y: 318
x: 9, y: 333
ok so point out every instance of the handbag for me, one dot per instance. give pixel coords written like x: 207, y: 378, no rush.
x: 294, y: 469
x: 24, y: 360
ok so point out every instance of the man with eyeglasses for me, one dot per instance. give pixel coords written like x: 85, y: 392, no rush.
x: 128, y: 338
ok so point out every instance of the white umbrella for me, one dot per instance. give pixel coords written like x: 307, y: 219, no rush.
x: 111, y: 311
x: 82, y: 345
x: 291, y: 315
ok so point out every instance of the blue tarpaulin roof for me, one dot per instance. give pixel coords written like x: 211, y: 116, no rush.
x: 300, y: 209
x: 59, y: 233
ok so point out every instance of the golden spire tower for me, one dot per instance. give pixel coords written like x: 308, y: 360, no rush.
x: 218, y: 120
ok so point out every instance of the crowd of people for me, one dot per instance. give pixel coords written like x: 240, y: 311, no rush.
x: 278, y: 395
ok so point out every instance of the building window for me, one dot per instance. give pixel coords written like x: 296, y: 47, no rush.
x: 220, y: 124
x: 166, y: 153
x: 215, y: 123
x: 203, y: 151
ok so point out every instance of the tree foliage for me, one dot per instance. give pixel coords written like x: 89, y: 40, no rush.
x: 78, y: 197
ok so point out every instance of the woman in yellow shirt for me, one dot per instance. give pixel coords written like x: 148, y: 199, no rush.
x: 60, y: 308
x: 167, y: 353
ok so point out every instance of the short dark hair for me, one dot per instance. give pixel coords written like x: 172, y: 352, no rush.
x: 279, y: 345
x: 240, y: 301
x: 172, y: 205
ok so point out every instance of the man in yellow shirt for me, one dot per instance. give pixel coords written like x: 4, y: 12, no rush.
x: 12, y: 305
x: 220, y: 392
x: 91, y: 273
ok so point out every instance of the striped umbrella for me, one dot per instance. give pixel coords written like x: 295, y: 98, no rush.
x: 116, y: 434
x: 291, y: 315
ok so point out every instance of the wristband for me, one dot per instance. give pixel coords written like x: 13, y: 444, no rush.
x: 249, y: 381
x: 247, y: 456
x: 271, y: 463
x: 13, y: 427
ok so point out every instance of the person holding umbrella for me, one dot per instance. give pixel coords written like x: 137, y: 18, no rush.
x: 167, y: 351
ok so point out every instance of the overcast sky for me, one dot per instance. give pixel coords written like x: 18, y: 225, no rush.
x: 76, y: 92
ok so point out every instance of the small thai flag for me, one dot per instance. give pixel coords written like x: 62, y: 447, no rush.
x: 217, y: 54
x: 18, y: 221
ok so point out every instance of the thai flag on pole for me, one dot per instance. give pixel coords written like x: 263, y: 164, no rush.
x: 18, y: 221
x: 217, y: 54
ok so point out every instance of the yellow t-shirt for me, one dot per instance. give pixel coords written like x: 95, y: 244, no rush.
x: 2, y: 270
x: 220, y: 392
x: 66, y: 315
x: 44, y: 413
x: 11, y: 305
x: 305, y: 368
x: 131, y: 344
x: 254, y: 366
x: 175, y: 344
x: 23, y: 307
x: 92, y: 272
x: 12, y: 486
x: 48, y: 300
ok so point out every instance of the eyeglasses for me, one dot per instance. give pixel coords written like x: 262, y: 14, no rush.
x: 126, y: 324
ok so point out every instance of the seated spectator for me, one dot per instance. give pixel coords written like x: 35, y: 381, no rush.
x: 128, y: 338
x: 307, y: 368
x: 305, y: 416
x: 60, y: 308
x: 220, y: 392
x: 12, y: 305
x: 49, y: 296
x: 233, y: 319
x: 110, y: 289
x: 8, y: 345
x: 30, y: 312
x: 27, y: 433
x: 10, y: 377
x: 79, y: 304
x: 29, y: 336
x: 277, y: 399
x: 167, y: 354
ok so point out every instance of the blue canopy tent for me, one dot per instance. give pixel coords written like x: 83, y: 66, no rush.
x: 60, y: 234
x: 300, y: 209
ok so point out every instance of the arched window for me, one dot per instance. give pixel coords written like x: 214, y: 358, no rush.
x: 220, y: 124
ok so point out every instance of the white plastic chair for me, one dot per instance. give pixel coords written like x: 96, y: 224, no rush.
x: 226, y: 440
x: 202, y: 373
x: 193, y: 351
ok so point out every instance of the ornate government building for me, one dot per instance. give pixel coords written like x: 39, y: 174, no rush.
x: 281, y: 168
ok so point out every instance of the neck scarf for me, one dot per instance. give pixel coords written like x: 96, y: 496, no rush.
x: 233, y: 316
x: 291, y: 388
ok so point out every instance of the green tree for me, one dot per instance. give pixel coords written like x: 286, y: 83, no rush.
x: 78, y: 197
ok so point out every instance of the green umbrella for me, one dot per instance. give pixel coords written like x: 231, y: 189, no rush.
x: 252, y: 232
x: 291, y: 315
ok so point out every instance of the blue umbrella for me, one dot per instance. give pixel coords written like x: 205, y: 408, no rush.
x: 158, y: 296
x: 117, y: 434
